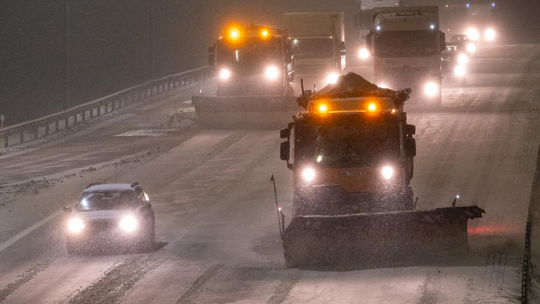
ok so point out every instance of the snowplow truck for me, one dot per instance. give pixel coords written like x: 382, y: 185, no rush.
x: 406, y: 46
x: 352, y: 167
x: 254, y: 69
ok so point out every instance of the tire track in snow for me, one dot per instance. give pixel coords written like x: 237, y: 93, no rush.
x: 117, y: 281
x: 284, y: 288
x: 24, y: 278
x: 196, y: 287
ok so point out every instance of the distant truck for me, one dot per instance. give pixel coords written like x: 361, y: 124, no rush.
x: 318, y: 43
x: 406, y: 46
x: 476, y: 18
x: 364, y: 21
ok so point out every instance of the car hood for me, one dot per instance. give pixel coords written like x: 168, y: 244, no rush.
x: 103, y: 214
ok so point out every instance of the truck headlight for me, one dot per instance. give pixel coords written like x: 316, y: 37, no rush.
x: 431, y: 89
x: 308, y: 174
x: 332, y: 78
x: 460, y: 71
x: 271, y: 73
x: 224, y: 74
x: 387, y: 172
x: 471, y: 48
x: 128, y: 223
x: 75, y: 225
x: 463, y: 58
x: 364, y: 54
x: 473, y: 34
x: 489, y: 34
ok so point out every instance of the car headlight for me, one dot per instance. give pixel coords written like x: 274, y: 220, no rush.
x: 128, y: 223
x: 224, y: 74
x: 473, y: 34
x: 364, y: 54
x: 462, y: 59
x: 332, y: 78
x: 460, y: 71
x: 387, y: 172
x: 75, y: 225
x: 431, y: 89
x: 471, y: 48
x: 272, y: 73
x: 308, y: 174
x: 489, y: 34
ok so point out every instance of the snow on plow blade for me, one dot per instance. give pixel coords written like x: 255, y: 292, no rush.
x: 242, y: 112
x: 356, y: 238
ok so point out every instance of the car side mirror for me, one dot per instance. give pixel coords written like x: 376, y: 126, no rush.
x: 285, y: 151
x: 410, y: 147
x: 67, y: 209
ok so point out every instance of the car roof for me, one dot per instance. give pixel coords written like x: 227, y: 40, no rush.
x: 109, y: 187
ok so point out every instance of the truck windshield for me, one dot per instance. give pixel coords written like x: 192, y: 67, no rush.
x: 406, y: 44
x: 107, y: 200
x: 313, y: 48
x: 355, y: 145
x: 253, y: 53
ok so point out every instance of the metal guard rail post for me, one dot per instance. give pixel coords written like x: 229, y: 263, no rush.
x: 101, y: 106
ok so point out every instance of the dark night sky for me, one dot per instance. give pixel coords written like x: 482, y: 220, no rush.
x: 109, y: 42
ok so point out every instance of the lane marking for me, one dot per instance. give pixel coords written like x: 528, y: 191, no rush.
x: 187, y: 101
x: 28, y: 230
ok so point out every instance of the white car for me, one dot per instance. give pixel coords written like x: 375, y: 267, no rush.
x: 110, y: 215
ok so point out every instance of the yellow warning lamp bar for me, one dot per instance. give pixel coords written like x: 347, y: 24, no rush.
x: 350, y: 105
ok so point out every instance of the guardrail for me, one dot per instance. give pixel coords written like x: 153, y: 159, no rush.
x: 50, y: 124
x: 531, y: 257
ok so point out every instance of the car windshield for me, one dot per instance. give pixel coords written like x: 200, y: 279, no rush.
x: 312, y: 48
x: 406, y: 43
x: 357, y: 144
x: 107, y: 200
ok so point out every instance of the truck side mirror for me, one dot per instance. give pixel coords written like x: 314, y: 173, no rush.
x: 410, y: 147
x: 410, y: 129
x: 211, y: 56
x: 288, y: 53
x: 369, y: 37
x: 442, y: 41
x: 285, y: 133
x: 342, y: 46
x: 67, y: 209
x: 285, y: 151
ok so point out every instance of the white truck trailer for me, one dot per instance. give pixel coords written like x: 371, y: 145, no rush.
x: 364, y: 22
x: 318, y: 44
x: 406, y: 46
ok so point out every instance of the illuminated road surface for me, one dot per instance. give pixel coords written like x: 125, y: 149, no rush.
x: 215, y: 214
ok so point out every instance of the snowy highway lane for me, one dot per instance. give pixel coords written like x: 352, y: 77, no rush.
x: 216, y: 225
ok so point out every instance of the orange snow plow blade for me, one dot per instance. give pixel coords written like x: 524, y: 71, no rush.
x: 339, y: 240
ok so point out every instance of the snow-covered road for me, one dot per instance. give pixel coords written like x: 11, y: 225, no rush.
x: 215, y: 215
